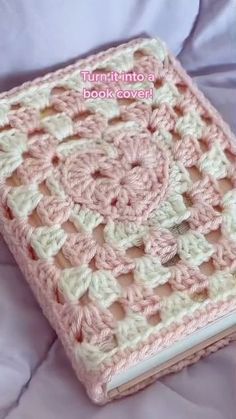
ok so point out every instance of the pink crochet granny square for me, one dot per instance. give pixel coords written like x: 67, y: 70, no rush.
x: 120, y: 208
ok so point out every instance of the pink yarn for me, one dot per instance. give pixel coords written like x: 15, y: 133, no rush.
x: 123, y: 188
x: 84, y: 168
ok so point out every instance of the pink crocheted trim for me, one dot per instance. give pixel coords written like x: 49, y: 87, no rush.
x: 179, y: 366
x: 110, y: 206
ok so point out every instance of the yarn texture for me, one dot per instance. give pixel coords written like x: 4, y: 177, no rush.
x: 109, y: 206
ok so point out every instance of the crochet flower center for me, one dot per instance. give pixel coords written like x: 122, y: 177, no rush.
x: 129, y: 185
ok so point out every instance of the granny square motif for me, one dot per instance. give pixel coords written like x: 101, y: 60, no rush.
x: 121, y: 213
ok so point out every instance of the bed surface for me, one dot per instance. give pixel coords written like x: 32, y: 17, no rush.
x: 36, y: 380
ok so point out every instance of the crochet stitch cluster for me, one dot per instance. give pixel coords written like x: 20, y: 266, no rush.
x: 109, y: 207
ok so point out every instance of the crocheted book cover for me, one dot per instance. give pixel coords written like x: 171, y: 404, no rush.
x: 119, y: 207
